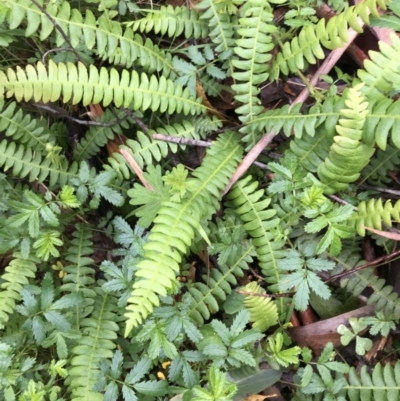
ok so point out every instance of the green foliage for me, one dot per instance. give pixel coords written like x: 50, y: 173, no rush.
x: 263, y: 311
x: 357, y: 326
x: 78, y: 84
x: 348, y: 155
x: 118, y: 285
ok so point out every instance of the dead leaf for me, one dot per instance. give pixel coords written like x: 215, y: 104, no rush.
x: 386, y: 234
x: 201, y: 93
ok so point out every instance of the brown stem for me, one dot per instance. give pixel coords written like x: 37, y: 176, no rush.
x: 365, y: 266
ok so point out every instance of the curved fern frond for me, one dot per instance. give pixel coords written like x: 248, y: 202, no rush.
x: 381, y: 71
x: 23, y: 128
x: 377, y: 171
x: 348, y: 155
x: 263, y: 311
x: 175, y: 226
x: 24, y: 161
x: 250, y: 204
x: 96, y: 345
x: 332, y: 34
x: 219, y: 285
x: 16, y: 276
x: 79, y: 273
x: 76, y: 84
x: 374, y: 213
x: 173, y: 22
x: 254, y: 51
x: 384, y: 298
x: 106, y: 37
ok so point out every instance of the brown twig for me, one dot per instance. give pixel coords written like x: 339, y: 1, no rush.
x: 365, y: 266
x: 138, y: 121
x: 182, y: 141
x: 136, y: 168
x: 59, y: 29
x: 77, y: 120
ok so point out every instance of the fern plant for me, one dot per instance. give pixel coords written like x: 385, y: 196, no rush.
x: 123, y: 274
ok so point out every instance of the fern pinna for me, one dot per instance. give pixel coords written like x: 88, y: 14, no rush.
x: 175, y: 227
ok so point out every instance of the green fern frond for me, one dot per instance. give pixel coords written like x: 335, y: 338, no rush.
x: 221, y: 29
x: 173, y: 22
x: 263, y: 311
x: 219, y: 285
x: 377, y: 171
x: 249, y: 203
x: 381, y: 383
x: 254, y: 51
x: 291, y: 121
x: 24, y: 161
x: 98, y: 136
x: 95, y: 345
x: 311, y: 150
x: 175, y: 226
x: 145, y: 149
x: 108, y: 38
x: 381, y: 71
x: 374, y: 213
x: 382, y: 122
x: 383, y: 297
x: 22, y: 128
x: 16, y: 276
x: 73, y: 84
x: 79, y: 273
x: 332, y: 34
x: 348, y: 154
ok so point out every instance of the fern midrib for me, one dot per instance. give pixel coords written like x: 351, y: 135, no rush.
x: 18, y: 84
x: 108, y: 33
x: 39, y: 166
x: 314, y: 146
x: 223, y: 277
x: 22, y: 128
x: 94, y: 347
x: 222, y: 33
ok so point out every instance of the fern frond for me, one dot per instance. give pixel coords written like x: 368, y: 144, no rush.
x: 16, y: 276
x: 332, y: 34
x: 23, y: 128
x: 311, y: 150
x: 107, y: 38
x: 249, y: 203
x: 221, y: 29
x: 98, y: 136
x: 79, y: 273
x: 263, y: 311
x: 377, y: 171
x: 175, y: 226
x: 374, y: 213
x: 173, y: 22
x: 348, y: 155
x: 384, y: 298
x: 254, y: 51
x: 381, y: 71
x: 73, y: 84
x: 145, y: 149
x: 95, y: 345
x: 219, y: 285
x: 24, y: 161
x: 382, y: 383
